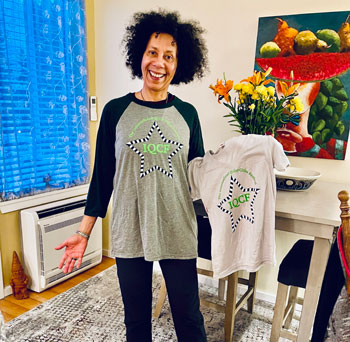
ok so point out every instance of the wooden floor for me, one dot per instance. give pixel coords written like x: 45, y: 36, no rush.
x: 11, y: 307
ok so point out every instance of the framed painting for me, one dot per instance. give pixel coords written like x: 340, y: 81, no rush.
x: 312, y: 49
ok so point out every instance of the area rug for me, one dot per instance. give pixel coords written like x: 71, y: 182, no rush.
x: 339, y: 323
x: 93, y: 311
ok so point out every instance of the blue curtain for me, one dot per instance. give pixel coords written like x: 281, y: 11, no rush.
x: 44, y: 137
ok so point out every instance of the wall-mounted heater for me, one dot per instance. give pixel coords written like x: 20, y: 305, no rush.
x: 46, y: 226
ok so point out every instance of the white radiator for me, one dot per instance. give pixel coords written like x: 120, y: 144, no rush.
x: 45, y: 227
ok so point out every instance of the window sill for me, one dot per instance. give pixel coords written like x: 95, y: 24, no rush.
x: 31, y: 201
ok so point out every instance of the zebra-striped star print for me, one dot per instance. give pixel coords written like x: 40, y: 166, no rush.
x: 144, y: 173
x: 234, y: 224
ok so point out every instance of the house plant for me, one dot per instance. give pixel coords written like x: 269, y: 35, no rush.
x: 258, y: 108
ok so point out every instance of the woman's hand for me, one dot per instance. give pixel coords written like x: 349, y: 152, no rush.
x: 76, y: 245
x: 74, y: 252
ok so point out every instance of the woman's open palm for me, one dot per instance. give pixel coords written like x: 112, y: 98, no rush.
x: 74, y: 252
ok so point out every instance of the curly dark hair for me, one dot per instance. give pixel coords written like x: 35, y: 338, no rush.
x: 192, y: 61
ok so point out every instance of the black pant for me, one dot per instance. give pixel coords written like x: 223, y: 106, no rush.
x: 135, y: 280
x: 333, y: 282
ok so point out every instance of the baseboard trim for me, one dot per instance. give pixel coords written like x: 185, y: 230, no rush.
x: 7, y: 290
x: 106, y: 253
x: 267, y: 297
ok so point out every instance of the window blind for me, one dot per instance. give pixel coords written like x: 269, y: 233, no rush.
x: 44, y: 137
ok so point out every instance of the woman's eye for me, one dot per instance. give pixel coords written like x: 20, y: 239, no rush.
x: 152, y: 53
x: 169, y: 58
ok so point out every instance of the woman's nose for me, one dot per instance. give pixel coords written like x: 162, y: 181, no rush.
x: 158, y: 61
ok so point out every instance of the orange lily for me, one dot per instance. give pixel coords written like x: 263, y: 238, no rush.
x: 258, y: 78
x: 287, y: 88
x: 222, y: 89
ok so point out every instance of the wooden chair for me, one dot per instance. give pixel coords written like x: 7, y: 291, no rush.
x: 344, y: 236
x: 293, y: 273
x: 339, y: 323
x: 232, y: 305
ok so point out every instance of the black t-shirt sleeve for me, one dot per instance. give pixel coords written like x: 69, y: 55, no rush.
x: 101, y: 185
x: 196, y: 140
x: 190, y: 115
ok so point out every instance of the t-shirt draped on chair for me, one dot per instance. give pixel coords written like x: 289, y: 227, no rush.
x: 238, y: 188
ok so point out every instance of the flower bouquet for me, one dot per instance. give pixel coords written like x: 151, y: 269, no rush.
x: 256, y: 108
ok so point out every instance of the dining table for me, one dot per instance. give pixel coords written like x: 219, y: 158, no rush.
x: 315, y: 213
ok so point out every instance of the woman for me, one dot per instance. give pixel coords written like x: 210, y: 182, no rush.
x: 144, y: 144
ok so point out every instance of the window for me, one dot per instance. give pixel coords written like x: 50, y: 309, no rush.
x: 44, y: 137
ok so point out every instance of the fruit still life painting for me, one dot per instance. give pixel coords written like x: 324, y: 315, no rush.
x: 313, y: 50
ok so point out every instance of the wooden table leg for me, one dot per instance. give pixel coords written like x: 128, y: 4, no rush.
x: 317, y: 268
x: 252, y: 283
x: 230, y: 307
x: 293, y: 295
x: 278, y: 312
x: 221, y: 289
x: 161, y: 299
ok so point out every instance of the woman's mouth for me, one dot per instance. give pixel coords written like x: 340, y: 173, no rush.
x: 155, y: 75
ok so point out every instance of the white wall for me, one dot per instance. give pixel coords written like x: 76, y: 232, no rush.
x: 231, y: 27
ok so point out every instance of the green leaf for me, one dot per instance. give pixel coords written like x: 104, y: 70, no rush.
x: 228, y: 105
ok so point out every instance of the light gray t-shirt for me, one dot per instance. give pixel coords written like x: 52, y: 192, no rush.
x: 142, y: 153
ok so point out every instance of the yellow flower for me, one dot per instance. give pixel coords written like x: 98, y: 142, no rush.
x: 261, y: 90
x: 247, y: 88
x: 255, y: 95
x: 238, y: 87
x: 295, y: 105
x: 291, y: 107
x: 271, y: 91
x: 299, y: 107
x: 252, y: 107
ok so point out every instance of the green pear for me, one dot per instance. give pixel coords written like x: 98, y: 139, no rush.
x: 269, y: 50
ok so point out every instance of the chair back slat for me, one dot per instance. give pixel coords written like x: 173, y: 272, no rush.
x: 345, y: 219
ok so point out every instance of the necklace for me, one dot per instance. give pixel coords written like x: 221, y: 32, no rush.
x: 142, y: 95
x: 166, y: 100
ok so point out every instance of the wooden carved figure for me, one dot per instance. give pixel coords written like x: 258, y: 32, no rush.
x: 18, y: 280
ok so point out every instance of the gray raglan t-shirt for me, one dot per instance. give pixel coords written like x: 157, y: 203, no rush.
x: 142, y: 153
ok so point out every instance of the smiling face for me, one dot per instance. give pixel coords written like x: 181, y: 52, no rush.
x: 158, y: 65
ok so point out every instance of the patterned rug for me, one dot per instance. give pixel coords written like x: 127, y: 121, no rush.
x: 93, y: 311
x: 339, y: 323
